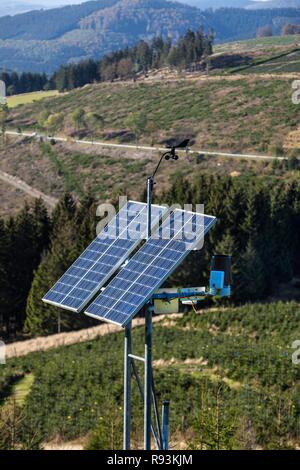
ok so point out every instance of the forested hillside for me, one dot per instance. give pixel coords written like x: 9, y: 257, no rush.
x: 41, y: 41
x: 273, y: 4
x: 23, y: 240
x: 48, y: 24
x: 88, y: 31
x: 193, y: 53
x: 191, y: 50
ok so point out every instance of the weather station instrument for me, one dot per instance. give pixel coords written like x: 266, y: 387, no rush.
x: 102, y: 286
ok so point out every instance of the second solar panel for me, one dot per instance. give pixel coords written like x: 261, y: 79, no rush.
x: 127, y: 293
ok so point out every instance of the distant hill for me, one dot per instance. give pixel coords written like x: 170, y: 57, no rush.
x: 249, y: 4
x: 49, y: 24
x: 274, y: 4
x: 205, y: 4
x: 13, y: 8
x: 40, y: 41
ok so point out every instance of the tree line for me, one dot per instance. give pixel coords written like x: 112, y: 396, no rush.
x: 290, y: 28
x: 126, y: 63
x: 28, y: 243
x: 258, y: 224
x: 23, y: 240
x: 129, y: 62
x: 287, y: 29
x: 25, y: 82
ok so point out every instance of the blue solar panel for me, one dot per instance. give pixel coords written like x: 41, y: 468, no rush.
x: 128, y: 292
x: 103, y: 257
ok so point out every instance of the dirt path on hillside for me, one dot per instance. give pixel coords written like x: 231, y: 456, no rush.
x: 227, y: 77
x: 44, y: 343
x: 22, y: 348
x: 20, y: 184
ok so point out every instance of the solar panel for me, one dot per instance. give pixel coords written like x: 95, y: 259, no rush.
x: 134, y: 285
x: 103, y: 257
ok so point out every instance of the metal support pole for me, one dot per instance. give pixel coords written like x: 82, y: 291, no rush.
x: 165, y: 424
x: 157, y: 415
x: 59, y: 323
x: 150, y: 184
x: 148, y: 378
x: 137, y: 378
x: 127, y: 387
x: 148, y: 338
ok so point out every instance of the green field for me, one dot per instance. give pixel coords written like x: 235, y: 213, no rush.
x: 229, y: 370
x: 25, y: 98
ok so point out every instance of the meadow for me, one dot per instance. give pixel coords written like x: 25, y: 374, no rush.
x: 25, y: 98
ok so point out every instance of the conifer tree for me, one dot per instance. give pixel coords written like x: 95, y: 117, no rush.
x: 250, y: 279
x: 71, y: 231
x: 4, y: 253
x: 281, y: 237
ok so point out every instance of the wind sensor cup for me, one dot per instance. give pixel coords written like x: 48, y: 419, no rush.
x: 171, y: 153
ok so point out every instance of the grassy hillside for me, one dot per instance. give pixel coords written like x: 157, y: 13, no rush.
x: 276, y: 55
x: 12, y: 199
x: 286, y: 62
x: 229, y: 368
x: 219, y: 113
x: 246, y: 111
x: 105, y: 172
x: 236, y: 113
x: 272, y: 42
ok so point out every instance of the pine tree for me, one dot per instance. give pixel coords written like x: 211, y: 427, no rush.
x: 235, y: 210
x: 281, y: 237
x: 251, y: 277
x: 71, y: 231
x: 144, y: 55
x: 17, y: 432
x: 215, y: 425
x: 28, y: 238
x: 4, y: 252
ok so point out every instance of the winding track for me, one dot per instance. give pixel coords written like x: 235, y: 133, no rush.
x: 140, y: 147
x: 22, y: 348
x: 51, y: 201
x: 20, y: 184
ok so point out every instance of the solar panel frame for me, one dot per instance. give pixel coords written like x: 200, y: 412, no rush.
x: 110, y: 245
x: 135, y: 285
